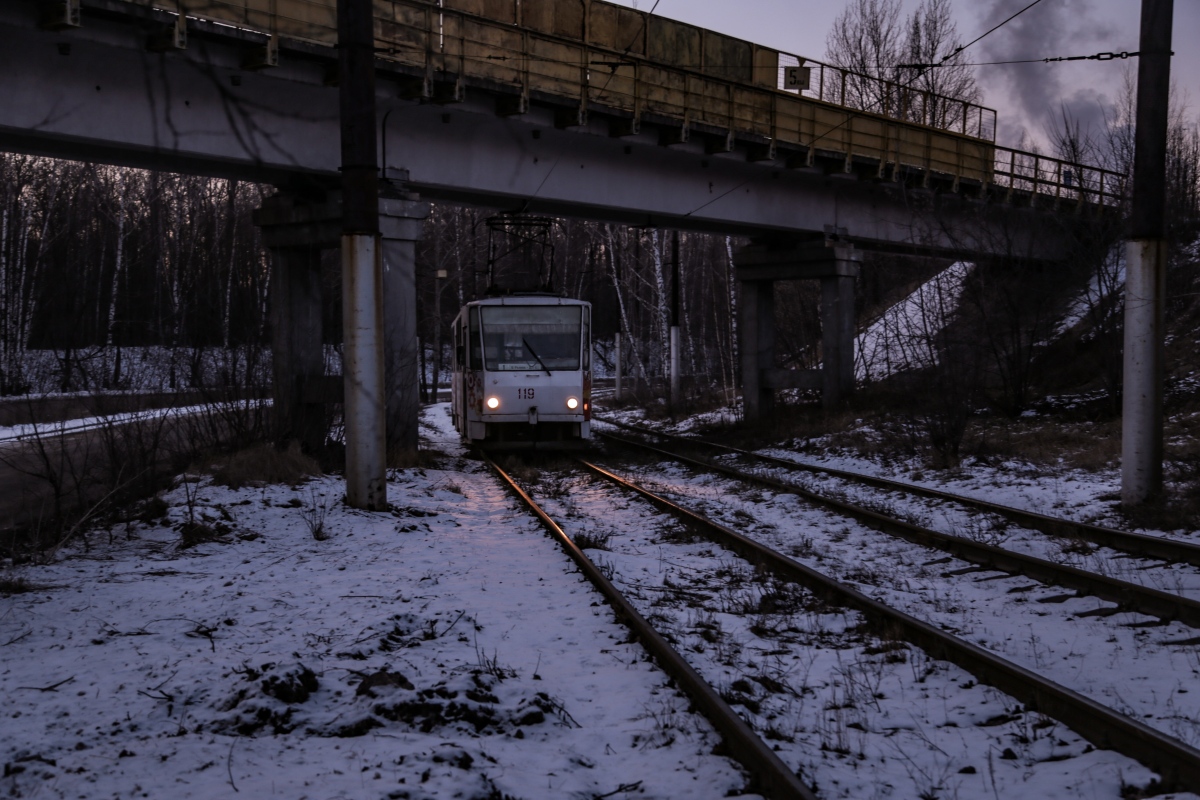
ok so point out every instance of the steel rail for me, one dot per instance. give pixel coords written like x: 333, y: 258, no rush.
x: 768, y: 774
x: 1177, y: 763
x: 1132, y: 543
x: 1127, y: 596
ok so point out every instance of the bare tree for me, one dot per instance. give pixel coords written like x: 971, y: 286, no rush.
x: 932, y: 39
x: 919, y: 56
x: 866, y: 40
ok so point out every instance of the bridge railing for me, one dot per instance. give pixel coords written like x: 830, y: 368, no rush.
x: 893, y: 99
x: 586, y: 54
x: 1036, y: 175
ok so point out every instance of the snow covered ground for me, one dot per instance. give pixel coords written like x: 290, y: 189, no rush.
x: 449, y: 649
x: 16, y: 433
x: 446, y: 649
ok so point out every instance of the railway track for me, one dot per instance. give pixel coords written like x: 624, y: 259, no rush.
x: 771, y: 776
x: 1125, y: 595
x: 1177, y: 762
x: 1135, y: 544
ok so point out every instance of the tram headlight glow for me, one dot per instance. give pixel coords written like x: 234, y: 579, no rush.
x: 493, y: 403
x: 572, y: 403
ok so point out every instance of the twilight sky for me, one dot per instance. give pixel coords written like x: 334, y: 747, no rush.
x: 1027, y: 96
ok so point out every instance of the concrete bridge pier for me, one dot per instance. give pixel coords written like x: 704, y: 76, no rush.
x: 297, y: 228
x: 758, y: 267
x: 401, y: 223
x: 296, y: 344
x: 756, y: 332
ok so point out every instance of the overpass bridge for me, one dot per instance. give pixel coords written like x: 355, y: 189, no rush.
x: 563, y: 107
x: 572, y: 107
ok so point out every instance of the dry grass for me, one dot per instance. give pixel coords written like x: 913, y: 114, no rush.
x: 423, y: 458
x: 1177, y: 509
x: 195, y: 533
x: 521, y: 470
x: 1079, y: 445
x: 15, y: 585
x: 263, y: 464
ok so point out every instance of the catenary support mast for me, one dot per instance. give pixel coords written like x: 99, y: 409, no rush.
x: 1146, y: 265
x: 362, y: 266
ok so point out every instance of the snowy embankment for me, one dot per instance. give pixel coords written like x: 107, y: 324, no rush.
x: 905, y: 337
x: 17, y: 433
x: 445, y: 649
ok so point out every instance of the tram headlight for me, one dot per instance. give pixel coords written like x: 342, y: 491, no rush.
x: 572, y: 403
x: 493, y: 403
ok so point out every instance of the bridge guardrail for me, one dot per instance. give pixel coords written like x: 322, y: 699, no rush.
x: 588, y: 53
x: 893, y: 99
x: 1036, y: 175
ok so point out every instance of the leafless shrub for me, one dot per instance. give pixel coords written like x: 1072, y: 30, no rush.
x: 196, y: 533
x: 263, y: 464
x: 592, y: 540
x: 520, y: 469
x: 15, y: 584
x: 314, y: 515
x: 67, y: 479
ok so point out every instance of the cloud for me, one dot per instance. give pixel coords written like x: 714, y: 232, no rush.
x: 1037, y: 93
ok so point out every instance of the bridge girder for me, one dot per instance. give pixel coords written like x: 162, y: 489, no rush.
x: 97, y: 93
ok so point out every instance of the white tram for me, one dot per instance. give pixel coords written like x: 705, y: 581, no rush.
x: 523, y: 372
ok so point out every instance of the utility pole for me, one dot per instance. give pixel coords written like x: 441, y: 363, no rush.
x: 362, y: 262
x: 675, y: 394
x: 1146, y: 265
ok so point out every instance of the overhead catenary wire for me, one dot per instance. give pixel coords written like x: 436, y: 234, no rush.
x: 632, y: 41
x: 616, y: 64
x: 1124, y: 54
x: 988, y: 32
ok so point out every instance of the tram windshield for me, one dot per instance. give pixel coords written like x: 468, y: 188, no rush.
x: 519, y: 338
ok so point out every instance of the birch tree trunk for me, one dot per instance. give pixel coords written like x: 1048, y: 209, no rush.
x: 231, y: 226
x: 731, y: 313
x: 660, y: 303
x: 616, y: 282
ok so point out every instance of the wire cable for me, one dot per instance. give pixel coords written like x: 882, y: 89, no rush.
x: 989, y: 32
x: 617, y: 63
x: 1124, y: 54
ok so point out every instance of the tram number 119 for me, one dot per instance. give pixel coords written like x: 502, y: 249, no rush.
x: 524, y: 394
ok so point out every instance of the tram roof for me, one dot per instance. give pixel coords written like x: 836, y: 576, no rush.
x: 528, y: 300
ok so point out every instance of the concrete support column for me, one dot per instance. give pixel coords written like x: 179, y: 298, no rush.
x: 835, y: 265
x: 837, y: 338
x: 1146, y: 264
x: 756, y: 326
x: 364, y: 407
x: 380, y: 392
x: 296, y: 229
x: 401, y: 222
x: 296, y: 346
x: 1141, y: 400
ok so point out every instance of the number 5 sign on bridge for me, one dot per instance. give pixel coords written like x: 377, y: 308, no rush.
x: 795, y: 79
